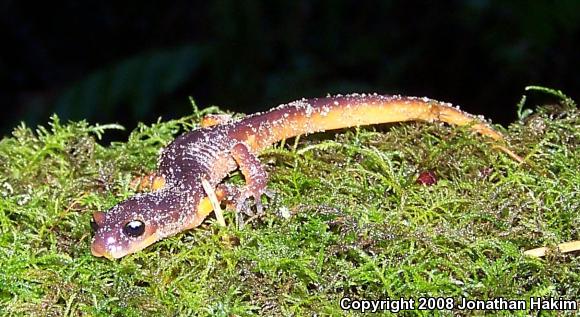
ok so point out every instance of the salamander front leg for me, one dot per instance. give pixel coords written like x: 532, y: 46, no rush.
x: 256, y: 179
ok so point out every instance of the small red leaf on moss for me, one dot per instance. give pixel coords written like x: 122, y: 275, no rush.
x: 427, y: 178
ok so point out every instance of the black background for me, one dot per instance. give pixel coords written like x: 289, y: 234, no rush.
x: 131, y: 61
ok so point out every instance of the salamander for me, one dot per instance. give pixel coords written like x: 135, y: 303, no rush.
x: 208, y: 154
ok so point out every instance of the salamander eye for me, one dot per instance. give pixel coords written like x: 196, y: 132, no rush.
x: 134, y: 228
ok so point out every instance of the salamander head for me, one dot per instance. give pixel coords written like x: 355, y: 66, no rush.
x: 136, y: 223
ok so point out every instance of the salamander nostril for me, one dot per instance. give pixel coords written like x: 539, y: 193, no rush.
x: 134, y: 228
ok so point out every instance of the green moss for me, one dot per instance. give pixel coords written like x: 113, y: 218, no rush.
x: 359, y: 225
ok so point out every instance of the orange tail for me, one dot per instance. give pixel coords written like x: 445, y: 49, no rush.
x: 316, y: 115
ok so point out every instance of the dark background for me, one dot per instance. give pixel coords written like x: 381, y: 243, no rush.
x: 131, y: 61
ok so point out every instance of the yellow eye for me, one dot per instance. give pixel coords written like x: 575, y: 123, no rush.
x: 134, y: 228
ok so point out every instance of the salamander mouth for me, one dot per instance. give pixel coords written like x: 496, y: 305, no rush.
x: 99, y: 250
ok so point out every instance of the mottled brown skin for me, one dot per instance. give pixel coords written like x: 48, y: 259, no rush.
x: 212, y: 152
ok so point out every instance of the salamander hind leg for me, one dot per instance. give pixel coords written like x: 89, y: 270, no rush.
x: 211, y: 120
x: 256, y: 179
x: 149, y: 182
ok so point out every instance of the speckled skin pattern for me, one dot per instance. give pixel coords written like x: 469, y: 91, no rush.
x: 215, y: 151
